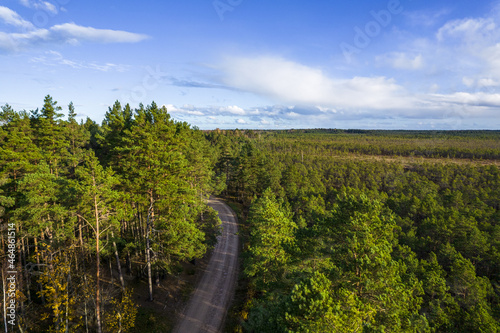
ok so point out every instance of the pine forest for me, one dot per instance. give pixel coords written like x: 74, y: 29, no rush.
x: 340, y: 230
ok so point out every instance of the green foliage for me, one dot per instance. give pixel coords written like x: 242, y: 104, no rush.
x: 271, y: 236
x: 121, y: 317
x: 56, y: 290
x: 84, y: 191
x: 349, y: 230
x: 405, y: 244
x: 41, y: 206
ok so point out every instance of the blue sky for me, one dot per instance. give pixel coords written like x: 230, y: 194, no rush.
x: 388, y: 64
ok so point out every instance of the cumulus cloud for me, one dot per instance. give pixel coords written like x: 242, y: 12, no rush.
x: 10, y: 17
x: 473, y: 43
x: 233, y: 109
x: 289, y: 82
x: 306, y: 93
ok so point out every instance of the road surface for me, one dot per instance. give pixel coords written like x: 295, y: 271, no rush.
x: 208, y: 305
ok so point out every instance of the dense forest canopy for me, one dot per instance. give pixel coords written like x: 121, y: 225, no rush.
x: 343, y: 230
x: 129, y: 192
x: 373, y: 231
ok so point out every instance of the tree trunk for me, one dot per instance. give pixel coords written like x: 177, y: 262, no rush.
x: 129, y: 263
x: 26, y: 273
x: 98, y: 291
x: 118, y: 265
x: 148, y: 250
x: 86, y: 314
x: 37, y: 250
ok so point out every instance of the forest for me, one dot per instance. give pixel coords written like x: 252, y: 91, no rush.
x: 342, y: 230
x: 365, y: 231
x: 81, y: 197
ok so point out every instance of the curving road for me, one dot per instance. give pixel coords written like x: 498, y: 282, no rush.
x: 207, y: 308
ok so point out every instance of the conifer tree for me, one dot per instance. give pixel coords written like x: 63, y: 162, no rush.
x: 157, y: 174
x: 50, y: 135
x: 95, y: 186
x: 76, y: 136
x: 17, y: 148
x: 272, y: 236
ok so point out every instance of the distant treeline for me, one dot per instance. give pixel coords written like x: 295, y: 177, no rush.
x: 428, y: 144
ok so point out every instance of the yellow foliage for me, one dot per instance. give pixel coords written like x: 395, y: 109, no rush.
x: 121, y: 318
x: 55, y: 281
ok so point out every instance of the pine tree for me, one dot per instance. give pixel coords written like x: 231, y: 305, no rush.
x: 271, y: 238
x: 156, y: 171
x: 41, y: 208
x: 50, y: 135
x: 76, y: 136
x: 361, y: 243
x: 95, y: 186
x: 18, y: 151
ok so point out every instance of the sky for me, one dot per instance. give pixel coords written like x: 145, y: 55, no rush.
x: 364, y: 64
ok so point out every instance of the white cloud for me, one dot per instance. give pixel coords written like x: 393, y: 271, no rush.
x: 425, y: 18
x: 10, y: 17
x: 68, y: 31
x: 473, y: 44
x: 461, y: 54
x: 53, y: 58
x: 480, y: 82
x: 288, y: 82
x: 487, y: 82
x: 185, y: 109
x: 39, y: 5
x: 468, y: 81
x: 315, y: 98
x: 401, y: 60
x: 233, y: 109
x: 16, y: 41
x: 6, y: 42
x: 479, y: 99
x: 468, y: 29
x: 240, y: 121
x: 491, y: 56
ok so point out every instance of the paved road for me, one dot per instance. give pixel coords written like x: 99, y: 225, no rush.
x: 207, y: 308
